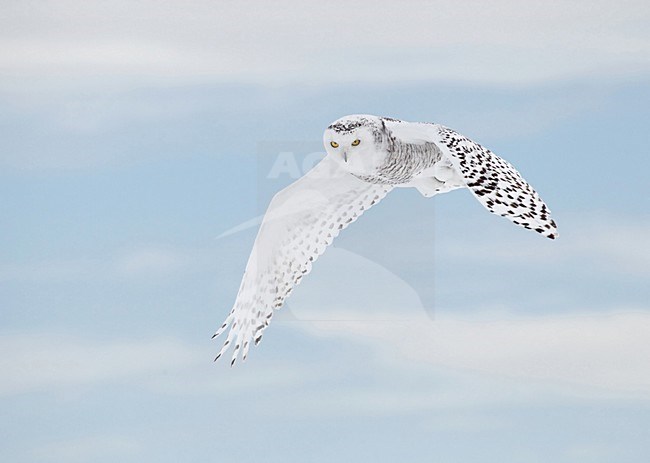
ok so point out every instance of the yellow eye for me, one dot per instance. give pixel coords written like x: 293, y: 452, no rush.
x: 334, y: 144
x: 356, y: 142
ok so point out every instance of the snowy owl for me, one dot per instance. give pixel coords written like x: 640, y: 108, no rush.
x: 367, y: 156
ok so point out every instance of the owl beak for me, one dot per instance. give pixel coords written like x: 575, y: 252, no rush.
x: 345, y: 156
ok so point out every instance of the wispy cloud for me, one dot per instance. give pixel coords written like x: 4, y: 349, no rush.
x: 47, y: 362
x: 35, y: 363
x: 87, y: 448
x: 146, y: 262
x: 584, y: 354
x: 611, y: 245
x: 156, y: 262
x: 327, y: 41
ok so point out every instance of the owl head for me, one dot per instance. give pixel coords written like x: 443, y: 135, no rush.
x: 356, y: 143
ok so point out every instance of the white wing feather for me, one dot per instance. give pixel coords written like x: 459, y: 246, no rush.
x: 301, y: 221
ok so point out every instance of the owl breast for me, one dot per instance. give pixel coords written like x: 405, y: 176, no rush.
x: 403, y: 162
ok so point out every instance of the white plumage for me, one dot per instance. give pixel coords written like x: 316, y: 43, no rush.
x: 367, y: 156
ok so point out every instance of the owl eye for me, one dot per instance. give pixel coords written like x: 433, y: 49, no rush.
x: 334, y: 144
x: 356, y: 142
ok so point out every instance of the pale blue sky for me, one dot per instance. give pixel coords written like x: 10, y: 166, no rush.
x: 131, y: 136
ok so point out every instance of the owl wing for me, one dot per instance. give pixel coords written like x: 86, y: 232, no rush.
x: 300, y: 222
x: 495, y: 182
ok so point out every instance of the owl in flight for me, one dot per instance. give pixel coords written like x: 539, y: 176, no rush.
x: 367, y: 156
